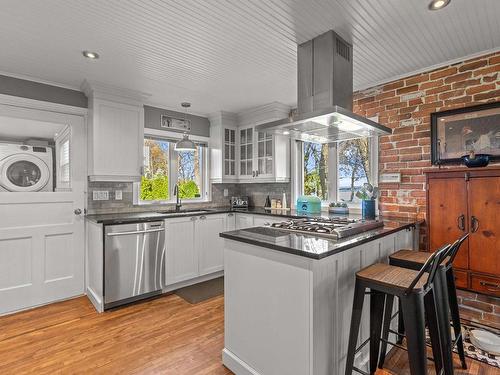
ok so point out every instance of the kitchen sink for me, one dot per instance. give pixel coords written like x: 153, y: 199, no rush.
x: 183, y: 212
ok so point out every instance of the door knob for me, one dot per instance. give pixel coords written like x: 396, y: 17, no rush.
x: 78, y: 211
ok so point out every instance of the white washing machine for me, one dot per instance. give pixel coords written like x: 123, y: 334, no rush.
x: 25, y: 168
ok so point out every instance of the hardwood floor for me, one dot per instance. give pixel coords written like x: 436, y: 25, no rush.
x: 163, y: 336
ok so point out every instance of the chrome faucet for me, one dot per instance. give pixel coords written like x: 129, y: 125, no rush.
x: 178, y: 204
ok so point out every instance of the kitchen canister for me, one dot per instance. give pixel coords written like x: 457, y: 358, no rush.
x: 368, y: 208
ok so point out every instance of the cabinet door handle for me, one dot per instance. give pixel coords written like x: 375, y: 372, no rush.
x: 474, y: 223
x: 490, y: 286
x: 193, y: 218
x: 461, y: 222
x: 253, y: 173
x: 203, y: 217
x: 230, y: 215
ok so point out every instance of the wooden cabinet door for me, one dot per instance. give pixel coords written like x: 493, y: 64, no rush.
x: 484, y: 240
x: 181, y: 255
x: 447, y: 215
x: 209, y: 244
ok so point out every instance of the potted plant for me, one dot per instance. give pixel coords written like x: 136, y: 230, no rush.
x: 338, y: 208
x: 368, y: 195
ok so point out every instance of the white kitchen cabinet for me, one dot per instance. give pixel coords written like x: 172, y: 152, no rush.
x: 115, y: 133
x: 259, y: 157
x: 244, y: 220
x: 209, y: 245
x: 262, y: 220
x: 181, y: 254
x: 193, y: 246
x: 230, y: 221
x: 223, y: 147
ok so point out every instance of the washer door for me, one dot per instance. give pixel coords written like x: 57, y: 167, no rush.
x: 23, y: 172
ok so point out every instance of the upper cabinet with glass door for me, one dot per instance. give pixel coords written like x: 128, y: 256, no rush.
x: 259, y: 157
x: 264, y: 157
x: 223, y: 147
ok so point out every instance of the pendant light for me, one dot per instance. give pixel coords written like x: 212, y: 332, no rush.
x: 185, y: 144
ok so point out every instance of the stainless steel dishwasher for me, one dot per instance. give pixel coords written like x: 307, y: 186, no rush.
x: 134, y: 262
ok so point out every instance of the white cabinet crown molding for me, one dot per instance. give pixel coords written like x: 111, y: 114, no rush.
x: 263, y: 113
x: 99, y: 90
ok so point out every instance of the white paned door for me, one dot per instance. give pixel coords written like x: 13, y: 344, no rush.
x: 42, y: 233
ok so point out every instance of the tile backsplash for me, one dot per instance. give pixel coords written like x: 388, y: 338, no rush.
x: 257, y: 194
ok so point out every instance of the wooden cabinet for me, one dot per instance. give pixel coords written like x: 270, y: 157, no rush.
x: 193, y: 247
x: 448, y: 215
x: 484, y: 240
x: 463, y: 201
x: 115, y: 133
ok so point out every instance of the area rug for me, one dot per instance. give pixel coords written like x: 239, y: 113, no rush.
x: 471, y: 350
x: 202, y: 291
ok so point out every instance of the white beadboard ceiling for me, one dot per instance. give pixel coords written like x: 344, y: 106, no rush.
x: 231, y: 54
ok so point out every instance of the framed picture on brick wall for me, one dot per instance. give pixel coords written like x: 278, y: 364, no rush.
x: 459, y: 132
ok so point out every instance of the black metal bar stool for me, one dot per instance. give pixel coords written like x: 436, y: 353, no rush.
x: 445, y: 292
x: 418, y: 303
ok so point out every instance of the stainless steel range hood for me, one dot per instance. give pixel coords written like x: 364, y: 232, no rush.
x: 325, y: 96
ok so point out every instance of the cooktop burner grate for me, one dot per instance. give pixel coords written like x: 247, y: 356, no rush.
x: 336, y: 227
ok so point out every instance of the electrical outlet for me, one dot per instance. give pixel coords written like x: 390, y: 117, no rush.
x: 118, y: 195
x: 226, y: 192
x: 100, y: 195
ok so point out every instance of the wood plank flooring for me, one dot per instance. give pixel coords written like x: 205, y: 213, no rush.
x: 162, y: 336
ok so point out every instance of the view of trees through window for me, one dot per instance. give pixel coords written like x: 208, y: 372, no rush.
x: 158, y: 168
x: 353, y: 163
x: 316, y: 170
x: 353, y: 167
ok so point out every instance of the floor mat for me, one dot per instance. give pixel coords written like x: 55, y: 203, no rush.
x: 472, y: 351
x: 202, y: 291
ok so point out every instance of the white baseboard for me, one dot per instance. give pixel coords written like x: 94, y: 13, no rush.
x: 235, y: 364
x: 94, y: 298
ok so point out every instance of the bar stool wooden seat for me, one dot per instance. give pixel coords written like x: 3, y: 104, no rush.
x: 445, y: 283
x: 415, y: 290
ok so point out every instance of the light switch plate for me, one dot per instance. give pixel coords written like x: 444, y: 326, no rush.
x: 118, y: 195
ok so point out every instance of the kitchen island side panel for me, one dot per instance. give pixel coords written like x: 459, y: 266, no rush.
x: 290, y: 314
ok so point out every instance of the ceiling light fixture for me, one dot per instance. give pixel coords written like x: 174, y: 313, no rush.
x: 185, y: 144
x: 438, y: 4
x: 90, y: 55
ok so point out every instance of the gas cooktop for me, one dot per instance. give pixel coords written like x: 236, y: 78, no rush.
x: 335, y: 227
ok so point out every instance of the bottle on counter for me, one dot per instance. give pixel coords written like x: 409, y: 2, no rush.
x: 283, y: 201
x: 268, y: 202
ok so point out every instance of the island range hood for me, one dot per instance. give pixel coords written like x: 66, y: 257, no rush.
x: 324, y: 108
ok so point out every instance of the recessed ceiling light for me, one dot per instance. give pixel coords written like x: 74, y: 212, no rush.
x: 90, y: 55
x: 438, y: 4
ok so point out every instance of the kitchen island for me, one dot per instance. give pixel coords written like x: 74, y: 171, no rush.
x: 288, y: 296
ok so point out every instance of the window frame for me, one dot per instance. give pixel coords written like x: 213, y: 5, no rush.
x: 171, y: 136
x: 297, y: 158
x: 64, y: 136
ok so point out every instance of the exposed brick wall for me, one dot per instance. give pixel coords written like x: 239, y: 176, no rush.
x: 479, y: 308
x: 405, y: 106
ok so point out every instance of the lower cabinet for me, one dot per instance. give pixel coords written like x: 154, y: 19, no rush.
x: 244, y: 220
x: 193, y: 246
x: 261, y: 220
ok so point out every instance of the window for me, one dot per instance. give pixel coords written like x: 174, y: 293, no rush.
x: 336, y: 171
x: 63, y: 160
x: 316, y: 169
x: 164, y: 168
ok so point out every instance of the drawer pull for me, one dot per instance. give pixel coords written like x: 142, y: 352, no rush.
x: 461, y: 222
x: 490, y: 286
x: 474, y: 223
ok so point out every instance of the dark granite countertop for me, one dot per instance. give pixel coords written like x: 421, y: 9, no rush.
x: 312, y: 246
x: 134, y: 217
